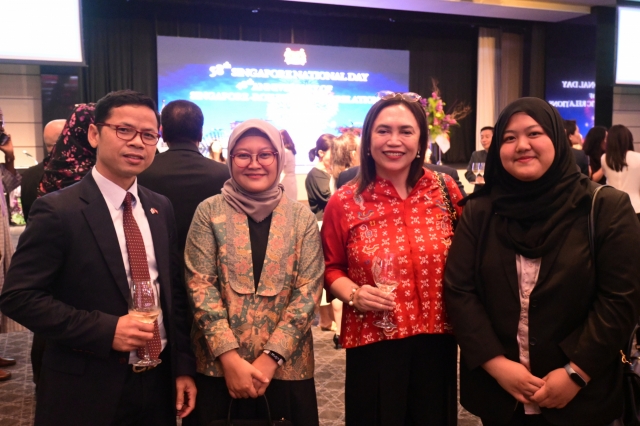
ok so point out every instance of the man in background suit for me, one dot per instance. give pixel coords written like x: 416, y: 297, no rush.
x: 69, y: 280
x: 182, y: 174
x: 33, y: 175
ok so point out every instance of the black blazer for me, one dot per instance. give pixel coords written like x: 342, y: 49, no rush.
x: 582, y: 161
x: 578, y: 311
x: 29, y: 187
x: 186, y: 178
x: 350, y: 174
x: 67, y: 282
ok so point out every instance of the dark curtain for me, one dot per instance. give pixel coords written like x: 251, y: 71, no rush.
x: 120, y: 45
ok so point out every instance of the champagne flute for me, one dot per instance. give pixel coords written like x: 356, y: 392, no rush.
x: 475, y: 168
x: 144, y: 306
x: 386, y: 274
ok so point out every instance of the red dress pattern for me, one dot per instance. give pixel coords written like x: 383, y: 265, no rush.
x: 418, y: 229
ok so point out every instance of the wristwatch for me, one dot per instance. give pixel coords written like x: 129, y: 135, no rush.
x: 279, y: 359
x: 577, y: 379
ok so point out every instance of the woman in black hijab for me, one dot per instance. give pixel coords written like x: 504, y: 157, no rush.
x: 539, y: 317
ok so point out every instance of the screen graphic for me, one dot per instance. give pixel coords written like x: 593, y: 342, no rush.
x: 307, y: 90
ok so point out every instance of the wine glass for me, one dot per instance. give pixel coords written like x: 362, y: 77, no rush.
x: 480, y: 173
x: 475, y: 168
x: 386, y: 274
x: 144, y: 306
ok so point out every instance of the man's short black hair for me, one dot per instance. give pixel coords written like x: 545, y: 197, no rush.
x: 122, y: 98
x: 182, y: 122
x: 486, y: 128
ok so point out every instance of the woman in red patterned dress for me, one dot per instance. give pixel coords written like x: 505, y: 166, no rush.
x: 404, y: 376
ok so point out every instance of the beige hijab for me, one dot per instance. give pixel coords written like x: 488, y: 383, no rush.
x: 255, y: 205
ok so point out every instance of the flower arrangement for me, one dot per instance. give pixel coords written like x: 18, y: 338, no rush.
x: 439, y: 121
x: 350, y: 129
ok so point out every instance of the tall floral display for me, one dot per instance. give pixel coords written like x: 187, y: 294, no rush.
x: 440, y: 121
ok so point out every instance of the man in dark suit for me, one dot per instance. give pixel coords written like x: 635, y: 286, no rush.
x: 69, y: 281
x: 182, y: 174
x: 349, y: 174
x: 33, y: 175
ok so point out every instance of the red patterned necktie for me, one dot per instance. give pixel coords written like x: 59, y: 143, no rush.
x: 139, y: 267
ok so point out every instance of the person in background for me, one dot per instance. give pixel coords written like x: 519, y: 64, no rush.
x: 539, y: 316
x: 9, y: 180
x: 72, y: 156
x: 575, y: 141
x: 594, y: 146
x: 318, y: 182
x: 183, y: 174
x: 621, y: 164
x: 404, y: 375
x: 70, y: 281
x: 33, y: 175
x: 215, y: 152
x: 30, y: 181
x: 480, y: 156
x: 319, y: 186
x: 288, y: 177
x: 254, y: 274
x: 344, y: 157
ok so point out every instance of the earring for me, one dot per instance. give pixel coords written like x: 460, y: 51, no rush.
x: 418, y: 156
x: 368, y: 153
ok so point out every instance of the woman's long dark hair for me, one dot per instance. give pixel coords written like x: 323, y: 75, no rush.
x: 288, y: 142
x: 367, y: 164
x: 593, y: 144
x: 323, y: 143
x: 619, y: 141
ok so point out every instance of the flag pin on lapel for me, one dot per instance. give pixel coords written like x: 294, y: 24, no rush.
x: 154, y: 211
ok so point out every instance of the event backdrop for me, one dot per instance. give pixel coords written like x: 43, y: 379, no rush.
x: 308, y: 90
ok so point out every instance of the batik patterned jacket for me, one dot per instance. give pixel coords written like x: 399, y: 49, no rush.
x: 229, y: 312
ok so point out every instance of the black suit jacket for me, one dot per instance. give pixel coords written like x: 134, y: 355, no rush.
x: 582, y: 161
x: 187, y: 178
x: 67, y: 282
x: 350, y: 174
x: 29, y: 187
x: 578, y: 311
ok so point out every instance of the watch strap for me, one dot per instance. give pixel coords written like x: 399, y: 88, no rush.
x: 573, y: 374
x: 279, y: 359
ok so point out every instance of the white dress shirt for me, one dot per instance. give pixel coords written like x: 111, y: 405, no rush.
x: 114, y: 197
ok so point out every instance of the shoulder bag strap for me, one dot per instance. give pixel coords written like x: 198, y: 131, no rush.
x: 447, y: 200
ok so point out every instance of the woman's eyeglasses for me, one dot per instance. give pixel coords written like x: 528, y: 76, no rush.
x: 127, y: 133
x: 243, y: 159
x: 409, y: 96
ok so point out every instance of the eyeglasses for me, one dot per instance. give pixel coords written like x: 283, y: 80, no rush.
x: 127, y: 133
x: 409, y: 96
x: 243, y: 159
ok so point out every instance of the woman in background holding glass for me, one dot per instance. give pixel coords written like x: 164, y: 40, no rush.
x: 254, y: 275
x: 404, y: 375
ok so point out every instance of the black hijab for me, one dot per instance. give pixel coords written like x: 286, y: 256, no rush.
x: 535, y: 216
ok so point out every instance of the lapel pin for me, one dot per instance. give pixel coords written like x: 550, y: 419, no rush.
x: 154, y: 211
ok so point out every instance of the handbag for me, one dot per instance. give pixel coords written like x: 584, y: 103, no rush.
x: 630, y: 383
x: 260, y: 422
x: 630, y: 358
